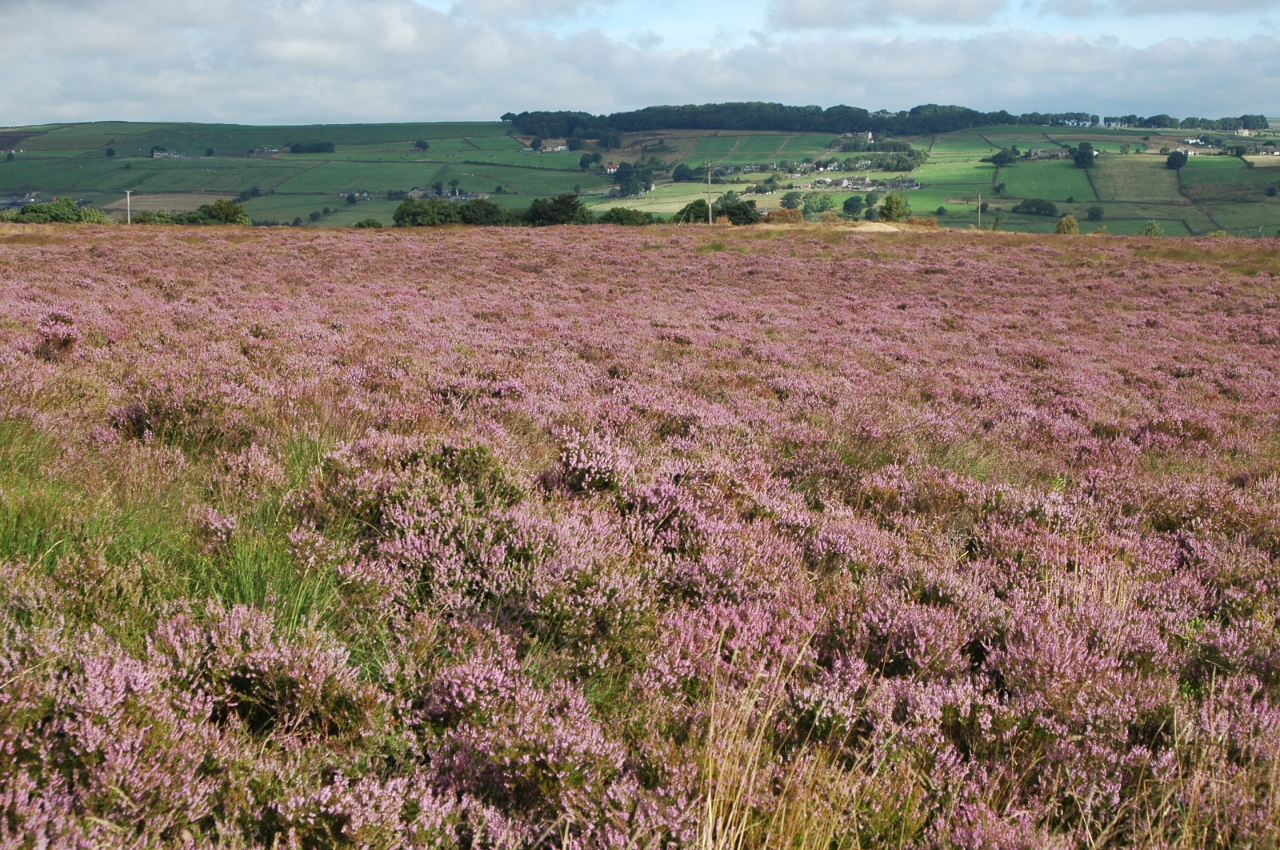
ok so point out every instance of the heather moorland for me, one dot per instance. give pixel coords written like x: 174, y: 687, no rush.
x: 638, y: 538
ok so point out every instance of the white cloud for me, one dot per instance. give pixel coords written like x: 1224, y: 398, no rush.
x: 302, y: 61
x: 847, y: 14
x: 1150, y: 8
x: 525, y: 10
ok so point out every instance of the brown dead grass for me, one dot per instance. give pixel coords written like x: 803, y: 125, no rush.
x: 172, y: 202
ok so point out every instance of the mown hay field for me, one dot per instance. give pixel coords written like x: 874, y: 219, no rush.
x: 637, y: 537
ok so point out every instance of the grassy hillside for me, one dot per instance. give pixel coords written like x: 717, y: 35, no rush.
x: 1212, y: 193
x: 705, y: 538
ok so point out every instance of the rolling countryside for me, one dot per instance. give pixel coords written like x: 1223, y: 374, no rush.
x: 370, y: 166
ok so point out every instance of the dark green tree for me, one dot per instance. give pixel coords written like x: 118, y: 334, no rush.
x: 1084, y: 155
x: 692, y: 213
x: 428, y: 212
x: 684, y: 174
x: 816, y: 203
x: 792, y: 200
x: 482, y: 212
x: 1037, y: 206
x: 1003, y: 159
x: 64, y: 211
x: 626, y: 217
x: 223, y: 211
x: 738, y: 212
x: 895, y: 207
x: 853, y: 206
x: 562, y: 209
x: 1176, y: 160
x: 1095, y: 213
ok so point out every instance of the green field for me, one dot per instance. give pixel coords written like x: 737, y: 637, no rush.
x: 1054, y: 180
x: 1211, y: 193
x: 1136, y: 178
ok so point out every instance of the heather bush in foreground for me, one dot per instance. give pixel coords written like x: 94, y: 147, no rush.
x: 592, y: 538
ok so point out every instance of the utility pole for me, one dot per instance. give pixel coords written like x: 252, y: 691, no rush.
x: 128, y: 206
x: 709, y: 221
x: 979, y: 210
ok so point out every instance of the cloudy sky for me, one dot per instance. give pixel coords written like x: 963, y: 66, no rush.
x: 333, y: 61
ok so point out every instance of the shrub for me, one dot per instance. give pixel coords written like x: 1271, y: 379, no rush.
x: 1037, y: 206
x: 58, y: 335
x: 625, y: 217
x: 368, y: 224
x: 1095, y: 213
x: 1067, y: 226
x: 1151, y: 228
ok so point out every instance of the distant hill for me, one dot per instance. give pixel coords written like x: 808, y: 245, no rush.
x: 337, y: 175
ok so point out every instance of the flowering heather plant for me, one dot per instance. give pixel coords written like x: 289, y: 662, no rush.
x: 590, y: 538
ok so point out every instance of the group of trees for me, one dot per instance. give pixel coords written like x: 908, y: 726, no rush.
x: 311, y: 147
x: 220, y: 212
x: 64, y: 211
x: 634, y: 179
x: 434, y: 212
x: 1006, y: 157
x: 1037, y: 206
x: 920, y: 120
x: 563, y: 209
x: 1168, y: 122
x: 728, y: 206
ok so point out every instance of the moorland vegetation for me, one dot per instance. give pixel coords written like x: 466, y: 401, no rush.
x: 651, y: 537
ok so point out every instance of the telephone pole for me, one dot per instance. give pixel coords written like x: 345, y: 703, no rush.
x: 709, y: 221
x: 979, y: 210
x: 128, y: 206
